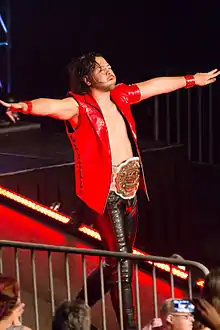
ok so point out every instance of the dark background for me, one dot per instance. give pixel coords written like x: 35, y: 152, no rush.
x: 141, y: 40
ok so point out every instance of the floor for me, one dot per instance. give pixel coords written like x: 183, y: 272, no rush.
x: 20, y: 151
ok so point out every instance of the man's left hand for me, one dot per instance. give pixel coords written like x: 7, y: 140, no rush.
x: 202, y: 79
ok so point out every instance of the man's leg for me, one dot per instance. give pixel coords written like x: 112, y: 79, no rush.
x: 117, y: 228
x: 123, y: 215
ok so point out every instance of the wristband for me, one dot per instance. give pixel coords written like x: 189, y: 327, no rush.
x: 29, y: 107
x: 27, y: 111
x: 190, y: 81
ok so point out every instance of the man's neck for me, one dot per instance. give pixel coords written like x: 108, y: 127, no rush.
x: 101, y: 97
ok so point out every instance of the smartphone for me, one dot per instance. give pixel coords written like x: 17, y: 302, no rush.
x: 183, y: 306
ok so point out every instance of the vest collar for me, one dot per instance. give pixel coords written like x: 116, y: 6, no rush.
x: 91, y: 101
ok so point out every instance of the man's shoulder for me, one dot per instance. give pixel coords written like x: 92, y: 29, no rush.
x: 120, y: 89
x: 131, y: 93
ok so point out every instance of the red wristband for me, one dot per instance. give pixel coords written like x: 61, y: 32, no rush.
x: 190, y: 81
x: 28, y: 111
x: 29, y: 107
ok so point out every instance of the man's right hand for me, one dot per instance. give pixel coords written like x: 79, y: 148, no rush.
x: 63, y: 109
x: 19, y: 105
x: 13, y: 115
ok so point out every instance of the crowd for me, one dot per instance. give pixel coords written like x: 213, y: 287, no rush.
x: 200, y: 313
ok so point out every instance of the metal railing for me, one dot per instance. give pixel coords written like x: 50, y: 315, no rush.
x: 189, y: 119
x: 20, y: 263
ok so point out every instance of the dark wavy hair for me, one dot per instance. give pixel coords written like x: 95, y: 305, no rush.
x: 211, y: 289
x: 79, y: 68
x: 72, y: 315
x: 9, y: 294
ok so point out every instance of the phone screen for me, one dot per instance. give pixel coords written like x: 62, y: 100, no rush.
x: 183, y: 306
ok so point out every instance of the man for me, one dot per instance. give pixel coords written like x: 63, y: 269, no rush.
x: 175, y: 320
x: 108, y: 166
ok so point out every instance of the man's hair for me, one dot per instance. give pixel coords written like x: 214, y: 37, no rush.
x: 9, y: 293
x: 166, y: 307
x: 79, y: 68
x: 72, y: 315
x: 211, y: 289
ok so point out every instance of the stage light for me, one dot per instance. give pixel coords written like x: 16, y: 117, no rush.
x: 200, y: 283
x: 3, y: 24
x: 90, y: 232
x: 33, y: 205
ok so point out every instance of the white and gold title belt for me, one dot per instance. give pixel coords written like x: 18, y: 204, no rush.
x: 126, y: 177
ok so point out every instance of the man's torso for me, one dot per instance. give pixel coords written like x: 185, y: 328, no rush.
x: 119, y: 142
x: 120, y: 145
x: 103, y: 137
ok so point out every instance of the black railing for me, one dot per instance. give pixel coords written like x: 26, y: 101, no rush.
x: 67, y: 251
x: 189, y: 119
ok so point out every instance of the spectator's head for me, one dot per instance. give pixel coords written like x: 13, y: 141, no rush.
x: 72, y: 315
x: 211, y: 290
x: 9, y: 295
x: 173, y: 320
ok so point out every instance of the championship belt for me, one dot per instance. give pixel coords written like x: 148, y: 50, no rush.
x: 126, y: 177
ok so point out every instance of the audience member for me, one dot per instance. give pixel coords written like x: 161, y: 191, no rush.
x: 11, y: 307
x: 173, y: 320
x: 72, y: 315
x: 8, y: 321
x: 207, y: 311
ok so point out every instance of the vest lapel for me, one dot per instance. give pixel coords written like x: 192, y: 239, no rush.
x: 96, y: 118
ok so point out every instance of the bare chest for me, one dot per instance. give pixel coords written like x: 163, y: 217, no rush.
x: 115, y: 124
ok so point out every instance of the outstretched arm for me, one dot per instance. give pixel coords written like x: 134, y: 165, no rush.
x: 60, y: 109
x: 164, y: 85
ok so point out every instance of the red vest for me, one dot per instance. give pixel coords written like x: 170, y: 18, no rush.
x: 90, y: 142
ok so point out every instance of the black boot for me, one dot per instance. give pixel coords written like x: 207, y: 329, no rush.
x: 128, y: 310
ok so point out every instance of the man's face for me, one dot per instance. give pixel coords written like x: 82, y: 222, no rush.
x: 181, y: 321
x: 102, y: 77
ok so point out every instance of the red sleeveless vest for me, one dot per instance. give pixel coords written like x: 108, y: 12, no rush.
x: 90, y: 142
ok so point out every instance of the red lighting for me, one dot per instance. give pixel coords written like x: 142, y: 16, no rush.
x: 176, y: 271
x: 90, y: 232
x: 33, y: 205
x: 200, y: 283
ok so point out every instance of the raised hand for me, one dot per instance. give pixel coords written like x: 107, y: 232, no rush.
x: 207, y: 313
x: 202, y: 79
x: 17, y: 311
